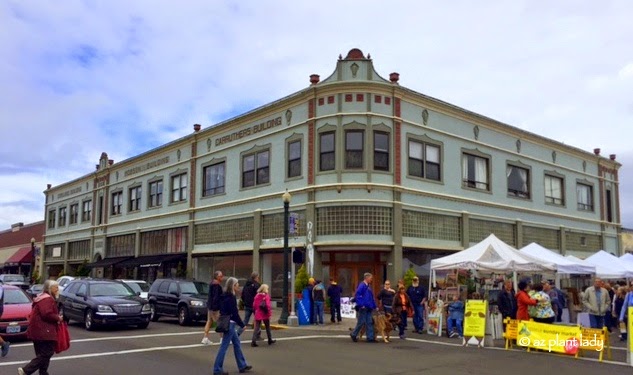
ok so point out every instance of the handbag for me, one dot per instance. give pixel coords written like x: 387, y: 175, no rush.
x: 223, y: 324
x: 263, y: 306
x: 63, y: 338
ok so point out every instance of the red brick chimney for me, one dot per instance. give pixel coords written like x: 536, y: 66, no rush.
x: 196, y: 127
x: 596, y: 151
x: 394, y: 77
x: 314, y: 79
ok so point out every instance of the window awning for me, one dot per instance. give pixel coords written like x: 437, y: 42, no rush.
x: 107, y: 262
x: 153, y: 260
x: 23, y: 256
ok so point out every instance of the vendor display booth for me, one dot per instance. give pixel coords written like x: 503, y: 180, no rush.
x: 609, y: 266
x: 492, y: 256
x: 564, y: 266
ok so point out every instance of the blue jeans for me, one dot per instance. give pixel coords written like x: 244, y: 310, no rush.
x: 454, y: 324
x: 318, y: 312
x: 248, y: 311
x: 596, y: 321
x: 364, y: 318
x: 418, y: 317
x: 403, y: 322
x: 227, y: 338
x: 335, y: 311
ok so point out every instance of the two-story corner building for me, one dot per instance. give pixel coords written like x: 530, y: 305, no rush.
x: 20, y: 249
x: 381, y: 178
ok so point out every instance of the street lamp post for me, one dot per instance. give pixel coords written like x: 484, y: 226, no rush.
x: 32, y: 259
x: 283, y: 319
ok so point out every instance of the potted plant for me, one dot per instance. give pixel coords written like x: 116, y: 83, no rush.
x: 301, y: 281
x: 408, y: 277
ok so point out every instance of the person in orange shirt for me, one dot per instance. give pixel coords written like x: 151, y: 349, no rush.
x: 523, y: 301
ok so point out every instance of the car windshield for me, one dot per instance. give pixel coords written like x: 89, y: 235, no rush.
x: 194, y: 287
x: 110, y: 290
x: 13, y: 278
x: 137, y: 286
x: 15, y: 297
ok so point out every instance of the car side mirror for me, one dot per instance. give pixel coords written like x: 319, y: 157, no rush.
x: 81, y: 294
x: 138, y: 293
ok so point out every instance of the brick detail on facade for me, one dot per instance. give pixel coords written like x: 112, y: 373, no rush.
x: 349, y: 97
x: 360, y: 97
x: 387, y: 100
x: 330, y: 99
x: 377, y: 99
x: 321, y: 101
x: 311, y: 115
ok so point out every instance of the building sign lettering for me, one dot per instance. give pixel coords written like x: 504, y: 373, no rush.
x: 144, y: 167
x: 69, y: 192
x: 248, y: 131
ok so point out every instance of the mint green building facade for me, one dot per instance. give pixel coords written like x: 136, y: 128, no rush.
x: 382, y: 178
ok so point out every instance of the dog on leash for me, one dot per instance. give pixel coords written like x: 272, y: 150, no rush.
x: 384, y: 323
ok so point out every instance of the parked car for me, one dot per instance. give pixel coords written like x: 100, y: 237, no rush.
x: 17, y: 308
x: 63, y: 281
x: 139, y: 287
x: 185, y: 299
x: 16, y: 280
x: 34, y: 290
x: 103, y: 302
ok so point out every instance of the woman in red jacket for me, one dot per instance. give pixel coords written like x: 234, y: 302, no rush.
x: 263, y: 312
x: 523, y: 301
x: 43, y: 329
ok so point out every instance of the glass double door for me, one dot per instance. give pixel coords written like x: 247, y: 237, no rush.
x: 348, y: 276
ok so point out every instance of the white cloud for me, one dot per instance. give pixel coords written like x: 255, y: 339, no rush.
x: 123, y: 77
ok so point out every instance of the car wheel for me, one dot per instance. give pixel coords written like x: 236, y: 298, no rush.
x: 143, y: 325
x: 154, y: 315
x: 183, y: 316
x: 89, y: 323
x: 62, y: 313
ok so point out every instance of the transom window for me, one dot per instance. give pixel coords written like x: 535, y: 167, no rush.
x: 554, y: 190
x: 74, y: 213
x: 156, y: 193
x: 424, y: 160
x: 327, y: 160
x: 179, y: 188
x: 354, y: 149
x: 214, y: 179
x: 475, y: 172
x: 62, y: 216
x: 256, y: 169
x: 117, y: 202
x: 585, y: 197
x: 135, y: 198
x: 86, y: 213
x: 294, y: 159
x: 381, y: 151
x: 518, y: 181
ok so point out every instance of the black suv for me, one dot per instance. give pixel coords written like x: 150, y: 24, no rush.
x: 100, y: 302
x: 185, y: 299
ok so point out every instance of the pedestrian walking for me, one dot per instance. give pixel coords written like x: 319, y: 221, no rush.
x: 4, y: 345
x: 417, y: 295
x: 385, y: 298
x: 43, y: 329
x: 228, y: 306
x: 213, y: 304
x: 401, y: 308
x: 595, y: 300
x: 310, y: 287
x: 334, y: 292
x: 248, y: 296
x: 365, y: 304
x: 263, y: 312
x: 318, y: 295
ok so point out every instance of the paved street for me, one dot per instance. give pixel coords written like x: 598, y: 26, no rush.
x: 167, y: 348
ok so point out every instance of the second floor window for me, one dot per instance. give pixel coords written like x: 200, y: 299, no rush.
x: 424, y: 160
x: 86, y: 212
x: 326, y: 153
x: 475, y: 172
x: 294, y: 159
x: 554, y: 190
x: 214, y: 179
x: 117, y: 202
x: 354, y: 140
x: 156, y: 193
x: 74, y: 213
x: 255, y: 169
x: 135, y: 198
x: 179, y: 188
x: 381, y: 151
x: 62, y: 216
x: 518, y: 181
x: 585, y: 197
x: 51, y: 219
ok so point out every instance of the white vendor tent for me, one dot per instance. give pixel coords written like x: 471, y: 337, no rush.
x: 609, y: 266
x: 492, y: 255
x: 628, y: 258
x: 563, y: 265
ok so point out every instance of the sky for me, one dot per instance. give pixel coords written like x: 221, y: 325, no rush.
x: 78, y: 78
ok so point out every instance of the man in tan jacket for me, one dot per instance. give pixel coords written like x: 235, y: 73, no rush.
x: 596, y: 301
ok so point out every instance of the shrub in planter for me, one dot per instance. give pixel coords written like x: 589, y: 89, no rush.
x: 301, y: 279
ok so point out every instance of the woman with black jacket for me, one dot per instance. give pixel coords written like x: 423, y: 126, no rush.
x: 228, y: 306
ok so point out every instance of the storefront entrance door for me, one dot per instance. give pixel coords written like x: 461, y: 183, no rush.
x: 349, y: 276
